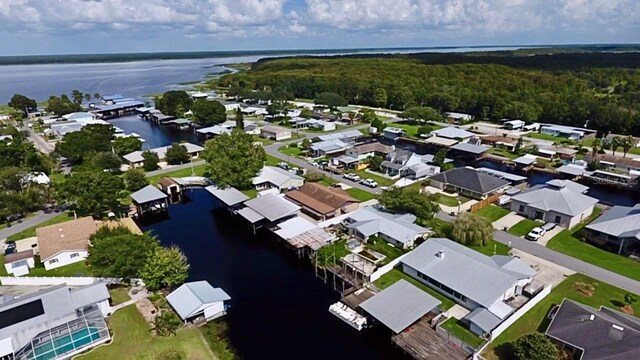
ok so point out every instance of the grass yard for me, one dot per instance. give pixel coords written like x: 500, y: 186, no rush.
x: 395, y: 275
x: 547, y: 137
x: 198, y: 170
x: 536, y: 319
x: 499, y: 248
x: 440, y: 227
x: 447, y: 200
x: 524, y: 227
x: 382, y: 181
x: 492, y: 212
x: 503, y: 152
x: 383, y: 247
x: 456, y: 328
x: 71, y: 270
x: 291, y: 151
x: 251, y: 193
x: 31, y: 232
x: 119, y: 295
x: 360, y: 194
x: 133, y: 340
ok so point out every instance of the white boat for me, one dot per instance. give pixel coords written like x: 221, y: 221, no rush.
x: 348, y: 315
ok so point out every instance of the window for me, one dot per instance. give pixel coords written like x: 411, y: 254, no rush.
x: 53, y: 261
x: 521, y: 209
x: 74, y: 255
x: 557, y: 219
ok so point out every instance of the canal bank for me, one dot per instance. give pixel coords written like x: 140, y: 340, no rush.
x: 279, y: 308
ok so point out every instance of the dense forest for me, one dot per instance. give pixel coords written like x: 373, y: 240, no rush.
x: 598, y: 89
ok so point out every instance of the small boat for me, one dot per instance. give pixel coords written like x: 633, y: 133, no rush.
x: 348, y: 315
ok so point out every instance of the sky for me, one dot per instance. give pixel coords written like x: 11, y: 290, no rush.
x: 107, y: 26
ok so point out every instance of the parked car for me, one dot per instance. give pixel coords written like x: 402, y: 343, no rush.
x: 283, y: 165
x: 294, y: 170
x: 352, y: 177
x: 10, y: 248
x: 536, y: 234
x: 370, y: 183
x: 549, y: 226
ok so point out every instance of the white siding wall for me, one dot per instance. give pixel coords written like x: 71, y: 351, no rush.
x: 65, y: 258
x: 214, y: 310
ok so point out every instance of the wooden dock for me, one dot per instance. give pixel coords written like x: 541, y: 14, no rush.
x: 421, y: 342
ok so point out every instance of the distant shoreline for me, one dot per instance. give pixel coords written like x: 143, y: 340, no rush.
x: 131, y: 57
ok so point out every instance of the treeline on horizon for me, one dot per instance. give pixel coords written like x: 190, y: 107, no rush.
x: 598, y: 89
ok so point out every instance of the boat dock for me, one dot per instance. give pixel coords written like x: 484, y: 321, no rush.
x: 422, y: 342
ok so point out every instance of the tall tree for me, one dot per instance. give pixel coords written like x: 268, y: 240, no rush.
x: 172, y: 101
x: 87, y: 97
x: 472, y: 229
x: 77, y: 96
x: 77, y: 145
x: 150, y: 160
x: 239, y: 119
x: 165, y: 268
x: 135, y: 179
x: 118, y: 253
x: 97, y: 96
x: 331, y: 100
x: 380, y: 97
x: 22, y: 103
x: 177, y: 154
x: 408, y: 200
x: 91, y: 192
x: 421, y: 114
x: 61, y: 105
x: 207, y: 113
x: 627, y: 144
x: 126, y: 145
x: 106, y: 161
x: 233, y: 159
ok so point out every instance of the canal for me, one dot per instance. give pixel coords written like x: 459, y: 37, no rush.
x: 154, y: 135
x: 279, y: 308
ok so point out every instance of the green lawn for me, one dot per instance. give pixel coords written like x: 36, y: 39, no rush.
x: 71, y: 270
x: 456, y: 328
x: 548, y: 137
x: 31, y: 232
x: 133, y: 340
x: 291, y: 151
x: 524, y: 227
x: 440, y: 227
x: 412, y: 129
x: 499, y: 248
x: 383, y: 247
x: 382, y: 181
x: 447, y: 200
x: 198, y: 170
x: 360, y: 194
x: 395, y: 275
x: 536, y: 319
x: 251, y: 193
x: 119, y: 295
x: 492, y: 212
x: 503, y: 152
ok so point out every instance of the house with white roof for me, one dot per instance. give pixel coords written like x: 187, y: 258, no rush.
x: 345, y: 136
x: 558, y: 201
x: 513, y: 124
x: 198, y: 300
x: 399, y: 230
x: 272, y: 177
x: 407, y: 163
x: 392, y: 133
x: 275, y: 132
x: 618, y: 229
x: 451, y: 132
x: 135, y: 159
x: 329, y: 147
x: 80, y: 117
x: 458, y: 118
x: 482, y: 284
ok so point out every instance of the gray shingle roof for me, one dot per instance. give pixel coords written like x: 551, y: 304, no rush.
x: 147, y: 194
x: 470, y: 179
x: 190, y: 297
x: 400, y: 227
x: 602, y: 334
x: 400, y: 305
x: 619, y: 221
x: 483, y: 282
x: 562, y: 197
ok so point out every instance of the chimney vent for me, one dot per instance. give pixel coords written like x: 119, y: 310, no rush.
x: 440, y: 254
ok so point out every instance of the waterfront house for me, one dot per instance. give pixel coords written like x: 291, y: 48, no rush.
x: 593, y: 334
x: 321, y: 202
x: 65, y: 243
x: 562, y: 202
x: 60, y: 129
x: 19, y: 263
x: 618, y: 229
x: 55, y: 323
x: 453, y: 133
x: 275, y: 133
x: 272, y: 177
x: 485, y: 288
x: 198, y: 301
x: 458, y: 118
x: 399, y: 230
x: 611, y: 162
x: 81, y: 117
x: 525, y: 161
x: 135, y: 159
x: 392, y: 133
x: 500, y: 142
x: 469, y: 182
x: 468, y: 151
x: 511, y: 178
x: 212, y: 131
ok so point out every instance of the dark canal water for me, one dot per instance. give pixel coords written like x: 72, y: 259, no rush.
x: 154, y: 135
x: 279, y: 308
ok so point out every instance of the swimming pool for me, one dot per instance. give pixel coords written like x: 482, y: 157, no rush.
x: 65, y: 344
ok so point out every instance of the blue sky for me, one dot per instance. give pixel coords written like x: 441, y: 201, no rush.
x: 97, y: 26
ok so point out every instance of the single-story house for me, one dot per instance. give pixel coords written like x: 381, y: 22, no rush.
x: 135, y: 159
x: 272, y: 177
x: 485, y: 288
x: 63, y: 128
x: 399, y: 230
x: 593, y: 334
x: 571, y: 170
x: 197, y: 300
x: 607, y: 139
x: 365, y: 151
x: 498, y: 142
x: 345, y: 136
x: 458, y: 118
x: 470, y: 182
x: 54, y: 323
x: 451, y: 132
x: 513, y: 124
x: 215, y: 130
x: 512, y: 178
x: 558, y: 201
x: 468, y: 151
x: 65, y: 243
x: 565, y: 131
x: 617, y: 229
x: 400, y: 305
x: 19, y: 263
x: 275, y: 132
x: 329, y: 147
x: 80, y: 117
x: 321, y: 202
x: 407, y: 163
x: 392, y: 133
x: 607, y: 161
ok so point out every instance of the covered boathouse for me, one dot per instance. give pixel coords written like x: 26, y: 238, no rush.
x: 150, y: 201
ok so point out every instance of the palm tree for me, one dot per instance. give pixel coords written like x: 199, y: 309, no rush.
x: 615, y: 142
x: 596, y: 145
x: 165, y: 324
x: 627, y: 144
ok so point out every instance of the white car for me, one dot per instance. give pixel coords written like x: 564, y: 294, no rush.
x: 352, y: 177
x: 283, y: 165
x: 370, y: 183
x: 536, y: 234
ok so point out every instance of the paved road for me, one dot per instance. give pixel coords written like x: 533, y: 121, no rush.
x: 37, y: 219
x: 40, y: 143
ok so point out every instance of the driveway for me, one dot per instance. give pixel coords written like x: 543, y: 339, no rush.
x: 547, y: 272
x: 37, y: 219
x: 507, y: 221
x: 549, y: 235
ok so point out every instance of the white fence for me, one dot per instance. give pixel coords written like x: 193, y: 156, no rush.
x: 518, y: 314
x: 385, y: 269
x: 50, y: 281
